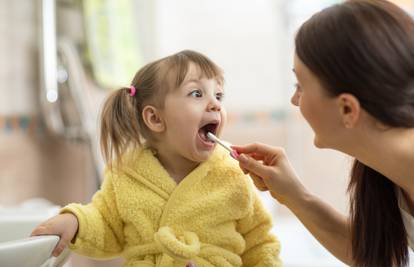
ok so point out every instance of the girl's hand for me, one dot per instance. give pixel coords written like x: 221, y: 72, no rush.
x: 270, y: 170
x: 64, y: 225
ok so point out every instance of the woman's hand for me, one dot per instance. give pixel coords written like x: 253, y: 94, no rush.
x: 270, y: 170
x: 64, y: 225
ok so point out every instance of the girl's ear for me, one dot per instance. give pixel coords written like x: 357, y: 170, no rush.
x: 153, y: 119
x: 349, y: 109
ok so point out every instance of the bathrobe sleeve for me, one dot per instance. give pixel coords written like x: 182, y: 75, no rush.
x: 100, y: 232
x: 262, y: 248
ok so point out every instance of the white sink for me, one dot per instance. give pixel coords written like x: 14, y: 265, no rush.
x: 17, y: 248
x: 27, y: 252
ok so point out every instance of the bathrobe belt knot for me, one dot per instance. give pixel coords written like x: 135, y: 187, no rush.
x: 182, y: 247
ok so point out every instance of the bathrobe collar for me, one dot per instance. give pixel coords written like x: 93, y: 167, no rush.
x: 145, y: 167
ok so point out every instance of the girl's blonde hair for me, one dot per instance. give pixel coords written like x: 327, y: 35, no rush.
x: 122, y: 125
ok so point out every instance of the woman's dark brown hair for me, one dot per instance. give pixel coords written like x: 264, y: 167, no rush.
x: 122, y: 125
x: 366, y: 48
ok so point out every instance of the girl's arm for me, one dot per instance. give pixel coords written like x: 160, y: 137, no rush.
x: 100, y: 231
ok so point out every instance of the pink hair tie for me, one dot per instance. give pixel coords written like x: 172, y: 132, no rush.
x: 132, y: 90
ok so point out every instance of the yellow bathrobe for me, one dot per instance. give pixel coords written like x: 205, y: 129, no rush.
x: 212, y: 218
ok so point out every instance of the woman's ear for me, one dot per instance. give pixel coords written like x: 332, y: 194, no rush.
x: 153, y: 119
x: 349, y: 109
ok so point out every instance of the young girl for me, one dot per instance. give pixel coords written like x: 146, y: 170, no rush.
x: 177, y: 198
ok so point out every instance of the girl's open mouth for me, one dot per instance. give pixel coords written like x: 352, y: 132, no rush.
x: 209, y: 127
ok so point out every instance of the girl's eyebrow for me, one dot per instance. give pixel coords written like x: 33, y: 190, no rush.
x: 192, y: 81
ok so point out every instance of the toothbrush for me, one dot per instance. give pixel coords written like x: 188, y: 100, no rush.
x: 215, y: 139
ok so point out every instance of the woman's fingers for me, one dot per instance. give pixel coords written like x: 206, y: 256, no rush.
x: 267, y: 154
x: 257, y: 156
x: 270, y: 170
x: 245, y: 171
x: 253, y: 166
x: 257, y: 148
x: 258, y: 182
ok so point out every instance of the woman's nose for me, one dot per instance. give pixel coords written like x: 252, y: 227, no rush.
x: 295, y: 98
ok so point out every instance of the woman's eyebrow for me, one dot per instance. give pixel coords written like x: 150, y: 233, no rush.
x: 294, y: 71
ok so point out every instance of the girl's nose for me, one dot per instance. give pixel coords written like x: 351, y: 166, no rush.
x: 214, y: 105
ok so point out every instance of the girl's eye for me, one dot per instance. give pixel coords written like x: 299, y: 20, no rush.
x: 219, y: 96
x: 196, y: 93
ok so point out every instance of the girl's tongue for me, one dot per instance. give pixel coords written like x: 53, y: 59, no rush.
x: 202, y: 132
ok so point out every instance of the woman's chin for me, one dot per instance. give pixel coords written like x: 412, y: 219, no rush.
x: 321, y: 144
x: 317, y: 143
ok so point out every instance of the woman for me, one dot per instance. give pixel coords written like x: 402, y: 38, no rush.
x: 354, y: 64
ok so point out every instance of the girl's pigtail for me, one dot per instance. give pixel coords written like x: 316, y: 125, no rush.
x: 120, y: 127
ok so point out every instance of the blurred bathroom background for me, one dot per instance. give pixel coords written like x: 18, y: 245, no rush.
x: 60, y: 58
